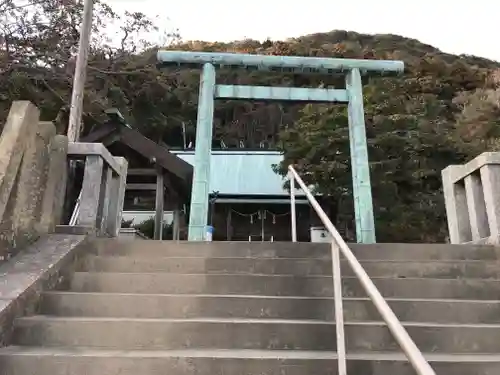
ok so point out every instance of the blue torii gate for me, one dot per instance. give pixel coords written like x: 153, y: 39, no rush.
x: 352, y: 94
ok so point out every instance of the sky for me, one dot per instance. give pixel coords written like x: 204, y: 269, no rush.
x: 462, y: 26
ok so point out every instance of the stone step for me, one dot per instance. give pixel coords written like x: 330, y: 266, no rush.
x: 58, y: 361
x: 293, y: 250
x: 211, y: 249
x: 291, y: 266
x: 310, y: 286
x: 159, y: 306
x: 261, y: 334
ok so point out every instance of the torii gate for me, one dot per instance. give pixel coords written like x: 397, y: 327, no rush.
x: 352, y: 94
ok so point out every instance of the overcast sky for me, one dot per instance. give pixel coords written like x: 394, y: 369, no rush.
x: 461, y: 26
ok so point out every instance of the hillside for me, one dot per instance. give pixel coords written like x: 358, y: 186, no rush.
x: 443, y: 110
x: 428, y: 71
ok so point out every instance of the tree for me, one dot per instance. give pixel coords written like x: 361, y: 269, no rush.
x: 410, y: 140
x: 39, y: 40
x: 479, y: 118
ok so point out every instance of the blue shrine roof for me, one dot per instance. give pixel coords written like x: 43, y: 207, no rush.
x: 243, y: 172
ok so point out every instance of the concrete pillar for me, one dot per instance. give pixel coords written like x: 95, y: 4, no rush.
x: 490, y: 176
x: 176, y: 225
x: 201, y: 177
x: 476, y: 207
x: 32, y: 180
x: 118, y: 185
x: 21, y: 122
x: 106, y: 200
x: 91, y: 192
x: 159, y: 204
x: 457, y: 211
x: 361, y: 186
x: 55, y: 189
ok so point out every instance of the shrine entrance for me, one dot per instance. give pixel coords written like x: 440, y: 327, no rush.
x: 352, y: 95
x: 247, y: 221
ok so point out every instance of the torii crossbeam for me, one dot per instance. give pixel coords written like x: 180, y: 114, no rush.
x: 353, y: 69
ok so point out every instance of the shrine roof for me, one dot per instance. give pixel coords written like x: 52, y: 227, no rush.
x: 242, y: 172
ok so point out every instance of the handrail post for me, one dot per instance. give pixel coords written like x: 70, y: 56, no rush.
x: 90, y: 208
x: 339, y: 309
x: 293, y: 210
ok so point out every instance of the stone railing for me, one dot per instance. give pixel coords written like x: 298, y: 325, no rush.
x: 103, y: 190
x: 33, y: 177
x: 472, y: 198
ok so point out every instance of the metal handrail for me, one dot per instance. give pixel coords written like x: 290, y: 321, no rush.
x: 414, y: 355
x: 76, y: 210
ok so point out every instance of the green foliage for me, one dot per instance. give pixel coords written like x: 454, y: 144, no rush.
x: 127, y: 223
x: 479, y: 118
x: 147, y: 227
x: 412, y: 135
x: 445, y: 109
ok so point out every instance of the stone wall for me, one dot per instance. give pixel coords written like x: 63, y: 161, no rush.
x: 33, y: 168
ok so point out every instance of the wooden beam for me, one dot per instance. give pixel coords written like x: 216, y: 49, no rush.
x: 146, y: 147
x: 158, y: 154
x: 167, y: 181
x: 174, y: 195
x: 100, y: 133
x: 159, y: 205
x: 142, y: 172
x: 229, y: 228
x: 142, y: 187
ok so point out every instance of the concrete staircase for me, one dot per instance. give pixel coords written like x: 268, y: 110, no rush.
x: 150, y: 308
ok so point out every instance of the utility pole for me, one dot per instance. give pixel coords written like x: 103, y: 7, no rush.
x: 75, y: 115
x: 76, y: 110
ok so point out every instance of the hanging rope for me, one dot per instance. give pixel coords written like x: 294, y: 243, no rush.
x: 261, y: 214
x: 274, y: 216
x: 246, y: 215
